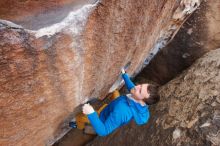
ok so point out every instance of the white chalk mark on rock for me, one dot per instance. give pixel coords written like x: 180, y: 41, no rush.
x: 75, y: 22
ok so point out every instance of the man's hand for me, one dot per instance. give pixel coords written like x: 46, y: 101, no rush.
x: 87, y: 109
x: 123, y: 71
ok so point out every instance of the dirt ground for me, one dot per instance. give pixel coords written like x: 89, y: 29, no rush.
x: 75, y: 137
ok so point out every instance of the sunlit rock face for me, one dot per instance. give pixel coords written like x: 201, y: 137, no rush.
x: 188, y: 113
x: 198, y: 35
x: 55, y: 55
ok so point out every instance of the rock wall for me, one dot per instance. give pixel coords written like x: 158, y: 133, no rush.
x: 188, y: 113
x: 55, y: 55
x: 198, y: 35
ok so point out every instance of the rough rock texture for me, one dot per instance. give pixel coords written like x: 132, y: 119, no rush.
x: 187, y: 115
x: 64, y: 53
x: 35, y: 14
x: 198, y: 35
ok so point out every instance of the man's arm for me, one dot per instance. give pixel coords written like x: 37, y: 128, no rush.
x: 115, y: 120
x: 128, y: 83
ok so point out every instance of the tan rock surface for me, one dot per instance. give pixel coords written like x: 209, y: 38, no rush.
x: 57, y: 61
x: 188, y: 113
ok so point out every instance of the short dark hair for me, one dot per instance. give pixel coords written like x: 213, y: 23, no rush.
x: 154, y: 96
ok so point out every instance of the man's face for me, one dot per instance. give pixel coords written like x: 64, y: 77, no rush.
x: 140, y: 92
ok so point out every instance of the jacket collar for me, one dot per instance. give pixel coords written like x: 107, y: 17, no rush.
x: 136, y: 105
x: 131, y: 98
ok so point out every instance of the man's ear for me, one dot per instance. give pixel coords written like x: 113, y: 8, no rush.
x: 132, y: 90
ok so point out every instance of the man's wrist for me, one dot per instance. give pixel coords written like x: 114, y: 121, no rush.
x: 90, y: 112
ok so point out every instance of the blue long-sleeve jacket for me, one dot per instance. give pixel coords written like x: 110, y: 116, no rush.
x: 119, y: 112
x: 128, y: 83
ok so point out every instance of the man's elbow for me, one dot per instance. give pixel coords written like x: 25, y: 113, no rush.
x: 102, y: 133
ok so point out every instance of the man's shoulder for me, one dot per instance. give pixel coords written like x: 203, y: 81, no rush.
x: 122, y: 101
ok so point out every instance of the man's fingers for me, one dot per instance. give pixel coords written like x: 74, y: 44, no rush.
x: 87, y: 108
x: 123, y: 70
x: 87, y: 104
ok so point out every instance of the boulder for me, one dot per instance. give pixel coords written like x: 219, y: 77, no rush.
x: 188, y: 113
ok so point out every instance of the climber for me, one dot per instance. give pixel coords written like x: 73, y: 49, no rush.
x: 124, y: 108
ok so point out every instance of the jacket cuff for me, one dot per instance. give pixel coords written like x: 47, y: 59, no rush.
x: 92, y: 115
